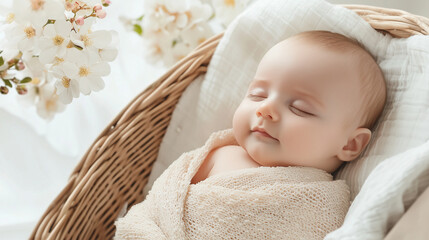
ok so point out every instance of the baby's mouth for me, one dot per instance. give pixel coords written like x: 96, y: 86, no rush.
x: 263, y: 133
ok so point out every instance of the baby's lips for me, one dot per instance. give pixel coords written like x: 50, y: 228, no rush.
x: 263, y: 132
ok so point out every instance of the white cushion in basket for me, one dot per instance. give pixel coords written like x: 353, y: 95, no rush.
x: 393, y: 170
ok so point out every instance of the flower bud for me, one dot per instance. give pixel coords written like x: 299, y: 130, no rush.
x: 13, y: 61
x: 4, y: 90
x: 16, y: 81
x: 80, y: 21
x: 20, y: 66
x: 97, y: 7
x: 69, y: 6
x: 21, y: 89
x: 100, y: 14
x: 106, y: 3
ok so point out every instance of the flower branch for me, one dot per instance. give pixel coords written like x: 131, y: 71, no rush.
x: 51, y: 54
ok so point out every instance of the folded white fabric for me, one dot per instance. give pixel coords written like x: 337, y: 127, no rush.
x: 393, y: 170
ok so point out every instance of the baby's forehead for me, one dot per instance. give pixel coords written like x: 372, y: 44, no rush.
x: 302, y: 64
x: 293, y: 51
x: 317, y: 75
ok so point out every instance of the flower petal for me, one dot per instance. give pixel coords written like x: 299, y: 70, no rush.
x: 62, y: 27
x: 100, y: 69
x: 93, y: 55
x: 54, y: 10
x: 76, y: 56
x: 70, y: 69
x: 61, y: 51
x: 100, y: 39
x: 45, y: 42
x: 108, y: 54
x: 49, y: 31
x: 182, y: 20
x: 96, y: 83
x: 74, y: 87
x: 59, y: 86
x: 25, y: 44
x: 85, y: 27
x: 66, y: 97
x: 47, y: 55
x: 84, y: 87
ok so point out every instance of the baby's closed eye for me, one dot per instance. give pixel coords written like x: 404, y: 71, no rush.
x: 257, y: 94
x: 300, y: 110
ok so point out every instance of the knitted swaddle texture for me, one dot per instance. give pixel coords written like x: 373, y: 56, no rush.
x: 252, y: 203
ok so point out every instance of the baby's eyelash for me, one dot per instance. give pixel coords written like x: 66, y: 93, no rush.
x: 300, y: 112
x: 256, y: 96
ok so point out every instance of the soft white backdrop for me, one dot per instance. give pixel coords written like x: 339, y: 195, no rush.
x: 36, y: 157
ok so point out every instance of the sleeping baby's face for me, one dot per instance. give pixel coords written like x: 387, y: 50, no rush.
x: 301, y: 109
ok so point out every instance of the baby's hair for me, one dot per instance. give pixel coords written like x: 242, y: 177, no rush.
x: 373, y: 83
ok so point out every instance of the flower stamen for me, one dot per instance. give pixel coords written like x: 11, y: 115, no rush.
x: 70, y: 44
x: 83, y: 71
x: 51, y: 103
x: 58, y: 40
x: 86, y: 40
x: 30, y: 32
x: 66, y: 82
x: 35, y: 81
x: 10, y: 18
x: 58, y: 60
x: 37, y: 4
x: 229, y: 3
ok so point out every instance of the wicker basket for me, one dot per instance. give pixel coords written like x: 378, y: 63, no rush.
x: 117, y: 166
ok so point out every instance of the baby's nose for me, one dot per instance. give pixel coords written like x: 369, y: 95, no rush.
x: 259, y: 114
x: 267, y: 111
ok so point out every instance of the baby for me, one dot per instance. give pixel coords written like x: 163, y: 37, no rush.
x: 313, y: 100
x: 310, y: 107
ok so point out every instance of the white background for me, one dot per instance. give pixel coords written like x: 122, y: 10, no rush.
x: 36, y: 157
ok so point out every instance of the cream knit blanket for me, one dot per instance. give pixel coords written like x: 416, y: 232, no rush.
x: 252, y: 203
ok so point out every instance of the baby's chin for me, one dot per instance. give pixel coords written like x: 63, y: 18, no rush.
x: 260, y: 157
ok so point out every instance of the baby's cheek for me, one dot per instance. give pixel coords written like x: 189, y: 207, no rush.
x: 300, y: 138
x: 240, y: 123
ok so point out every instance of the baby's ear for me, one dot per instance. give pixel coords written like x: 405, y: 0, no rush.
x: 355, y: 145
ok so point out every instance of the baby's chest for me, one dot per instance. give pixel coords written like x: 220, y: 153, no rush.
x: 229, y: 158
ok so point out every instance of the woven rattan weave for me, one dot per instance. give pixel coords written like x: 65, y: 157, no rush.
x: 117, y: 166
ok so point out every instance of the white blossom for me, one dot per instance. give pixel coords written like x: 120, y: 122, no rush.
x: 48, y: 104
x: 110, y: 52
x: 66, y: 84
x: 34, y: 68
x: 165, y: 23
x: 54, y: 42
x: 24, y: 35
x: 197, y: 34
x: 227, y: 10
x: 41, y: 39
x: 10, y: 50
x: 37, y: 11
x: 90, y: 70
x: 32, y: 97
x: 97, y: 39
x: 90, y: 4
